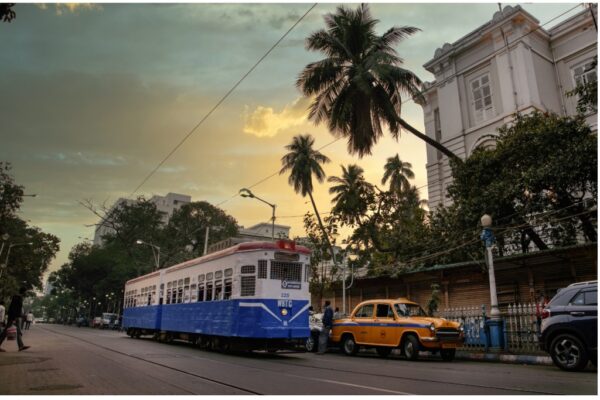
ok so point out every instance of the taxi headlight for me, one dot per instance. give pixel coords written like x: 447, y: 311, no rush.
x: 284, y: 311
x: 432, y: 328
x: 461, y: 327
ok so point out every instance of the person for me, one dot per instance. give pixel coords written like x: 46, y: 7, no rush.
x: 539, y: 308
x: 327, y: 325
x: 29, y: 319
x: 311, y: 311
x: 14, y: 315
x: 337, y: 314
x: 2, y: 314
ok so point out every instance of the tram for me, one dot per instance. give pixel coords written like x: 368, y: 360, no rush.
x: 251, y: 296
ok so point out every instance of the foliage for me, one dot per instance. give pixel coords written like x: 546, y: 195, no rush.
x: 359, y: 85
x: 434, y: 301
x: 27, y: 251
x: 352, y: 194
x: 532, y: 183
x: 398, y: 173
x: 94, y: 272
x: 6, y: 12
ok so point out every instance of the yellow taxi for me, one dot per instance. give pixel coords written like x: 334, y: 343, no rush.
x: 396, y: 323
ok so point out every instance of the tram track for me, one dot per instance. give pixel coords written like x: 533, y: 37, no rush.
x: 275, y: 361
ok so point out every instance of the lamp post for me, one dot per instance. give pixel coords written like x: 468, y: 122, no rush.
x: 156, y: 254
x: 10, y: 246
x: 247, y: 193
x: 495, y: 322
x: 349, y: 258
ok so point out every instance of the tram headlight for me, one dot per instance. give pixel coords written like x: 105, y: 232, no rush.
x: 284, y: 311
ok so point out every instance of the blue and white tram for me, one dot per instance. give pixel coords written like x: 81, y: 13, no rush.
x: 250, y: 296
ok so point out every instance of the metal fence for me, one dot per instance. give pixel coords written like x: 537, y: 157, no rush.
x: 521, y: 327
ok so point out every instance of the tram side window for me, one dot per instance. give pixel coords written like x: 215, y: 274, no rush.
x: 180, y: 294
x: 201, y: 292
x: 193, y: 293
x: 209, y: 291
x: 186, y: 294
x: 228, y: 289
x: 219, y: 290
x: 168, y: 296
x: 248, y: 286
x: 149, y: 299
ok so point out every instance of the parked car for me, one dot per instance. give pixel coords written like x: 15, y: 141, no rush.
x: 97, y: 322
x: 569, y: 329
x: 315, y: 323
x: 82, y: 321
x: 396, y: 323
x: 108, y: 320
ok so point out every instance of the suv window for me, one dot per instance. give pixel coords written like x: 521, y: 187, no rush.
x: 365, y: 311
x: 587, y: 298
x: 384, y: 311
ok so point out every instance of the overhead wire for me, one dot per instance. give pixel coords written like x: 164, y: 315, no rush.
x: 221, y: 100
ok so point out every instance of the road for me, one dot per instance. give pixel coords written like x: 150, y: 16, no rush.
x: 71, y: 360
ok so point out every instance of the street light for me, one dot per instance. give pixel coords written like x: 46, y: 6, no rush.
x: 155, y: 254
x: 351, y: 258
x: 10, y: 246
x: 495, y: 322
x: 247, y: 193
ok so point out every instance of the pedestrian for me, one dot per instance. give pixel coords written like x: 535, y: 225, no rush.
x: 14, y: 315
x: 337, y: 314
x: 327, y: 325
x: 2, y: 314
x: 539, y: 308
x: 29, y: 319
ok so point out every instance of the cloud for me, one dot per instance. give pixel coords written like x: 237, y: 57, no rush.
x: 266, y: 122
x: 72, y: 8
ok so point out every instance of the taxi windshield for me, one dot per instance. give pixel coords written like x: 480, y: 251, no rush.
x: 409, y: 310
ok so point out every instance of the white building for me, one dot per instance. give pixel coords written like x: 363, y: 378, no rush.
x: 165, y: 204
x: 509, y: 64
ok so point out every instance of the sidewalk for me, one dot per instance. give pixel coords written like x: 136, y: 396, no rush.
x: 505, y: 358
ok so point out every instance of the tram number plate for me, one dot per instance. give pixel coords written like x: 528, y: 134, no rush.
x: 290, y: 285
x: 284, y: 303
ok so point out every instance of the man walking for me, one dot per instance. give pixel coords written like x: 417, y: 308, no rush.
x: 29, y: 320
x: 327, y: 325
x: 14, y: 315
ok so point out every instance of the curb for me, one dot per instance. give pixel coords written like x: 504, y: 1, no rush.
x: 507, y: 358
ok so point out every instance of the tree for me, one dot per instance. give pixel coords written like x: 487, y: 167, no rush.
x: 352, y: 194
x: 11, y: 194
x: 533, y: 183
x: 303, y: 162
x: 185, y: 233
x: 6, y: 12
x: 359, y: 86
x: 398, y: 173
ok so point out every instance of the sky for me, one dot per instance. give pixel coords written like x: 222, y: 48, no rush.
x: 94, y: 96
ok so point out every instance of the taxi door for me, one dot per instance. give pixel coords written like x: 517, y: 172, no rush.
x: 364, y: 320
x: 384, y: 331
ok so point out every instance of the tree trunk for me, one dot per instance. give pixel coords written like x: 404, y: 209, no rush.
x: 312, y: 200
x: 440, y: 147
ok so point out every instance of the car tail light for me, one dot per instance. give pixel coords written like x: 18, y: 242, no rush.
x: 545, y: 313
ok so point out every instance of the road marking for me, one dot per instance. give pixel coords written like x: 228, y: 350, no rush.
x: 348, y: 384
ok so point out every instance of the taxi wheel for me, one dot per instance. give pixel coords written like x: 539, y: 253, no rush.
x: 383, y: 351
x: 411, y: 348
x: 349, y: 346
x: 448, y: 354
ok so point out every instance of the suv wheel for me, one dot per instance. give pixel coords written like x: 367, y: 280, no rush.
x: 349, y: 346
x: 568, y: 353
x: 410, y: 348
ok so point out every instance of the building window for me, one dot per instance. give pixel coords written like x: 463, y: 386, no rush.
x: 438, y: 129
x: 482, y: 98
x: 584, y: 73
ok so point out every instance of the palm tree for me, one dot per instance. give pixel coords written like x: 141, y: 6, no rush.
x: 303, y: 162
x: 398, y: 173
x: 352, y: 193
x: 359, y: 86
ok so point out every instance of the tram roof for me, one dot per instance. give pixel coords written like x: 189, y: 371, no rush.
x: 282, y: 245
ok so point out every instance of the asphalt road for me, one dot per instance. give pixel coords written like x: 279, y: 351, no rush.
x: 71, y: 360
